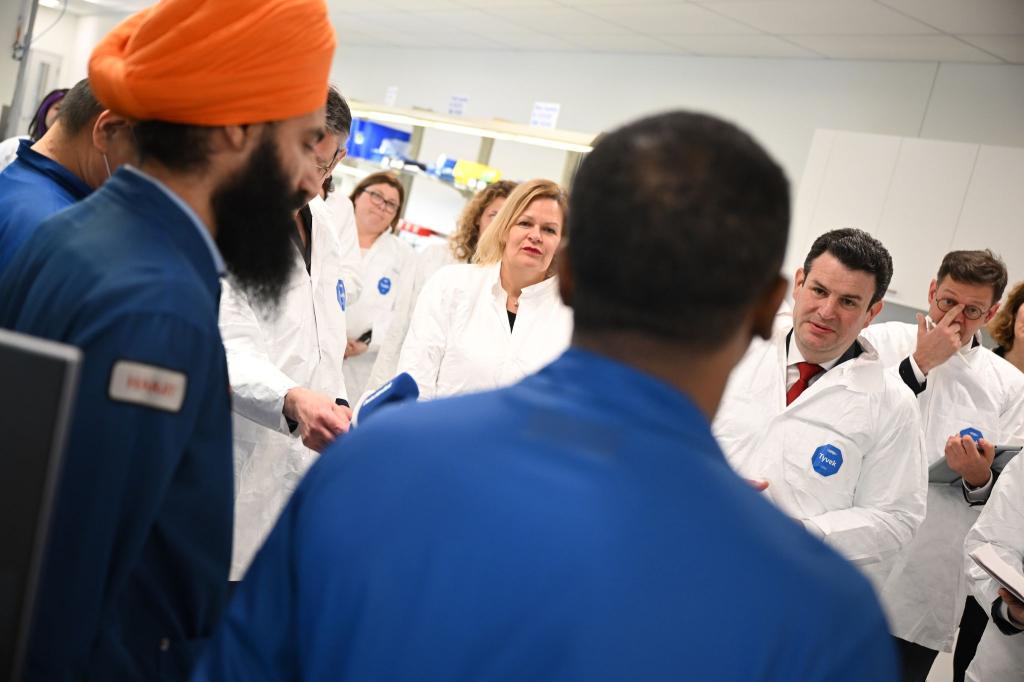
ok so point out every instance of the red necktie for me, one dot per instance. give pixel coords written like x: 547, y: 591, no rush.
x: 808, y: 371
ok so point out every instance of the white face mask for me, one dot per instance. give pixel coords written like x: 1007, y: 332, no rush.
x: 107, y: 164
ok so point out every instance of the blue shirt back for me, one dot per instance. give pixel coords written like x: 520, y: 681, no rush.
x: 135, y: 572
x: 544, y: 531
x: 32, y: 189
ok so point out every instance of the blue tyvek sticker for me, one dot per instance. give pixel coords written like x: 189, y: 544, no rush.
x: 827, y: 459
x: 384, y: 285
x: 973, y: 433
x: 340, y: 290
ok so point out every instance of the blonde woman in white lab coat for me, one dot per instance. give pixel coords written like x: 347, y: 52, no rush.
x: 476, y: 217
x: 387, y: 263
x: 490, y: 323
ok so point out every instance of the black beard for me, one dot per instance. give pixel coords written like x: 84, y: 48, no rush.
x: 255, y: 214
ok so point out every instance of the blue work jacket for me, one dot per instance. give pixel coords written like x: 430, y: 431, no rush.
x: 32, y: 189
x: 545, y: 532
x: 135, y: 571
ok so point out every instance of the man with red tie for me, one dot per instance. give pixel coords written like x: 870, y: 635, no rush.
x: 813, y: 413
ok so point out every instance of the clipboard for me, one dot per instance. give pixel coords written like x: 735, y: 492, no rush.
x: 1002, y: 572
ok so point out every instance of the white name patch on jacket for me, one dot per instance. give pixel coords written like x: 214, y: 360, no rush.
x: 147, y: 385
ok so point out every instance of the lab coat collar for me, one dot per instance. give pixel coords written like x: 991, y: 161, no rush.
x: 47, y: 167
x: 156, y: 206
x: 863, y: 374
x: 539, y: 290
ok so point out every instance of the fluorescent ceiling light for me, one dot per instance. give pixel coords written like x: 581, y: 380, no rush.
x: 52, y: 4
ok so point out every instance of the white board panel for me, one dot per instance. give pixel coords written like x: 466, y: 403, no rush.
x: 993, y: 212
x: 920, y: 214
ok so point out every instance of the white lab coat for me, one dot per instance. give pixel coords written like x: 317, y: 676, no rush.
x: 301, y: 343
x: 459, y: 340
x: 385, y: 266
x: 9, y: 150
x: 873, y: 504
x: 428, y: 261
x: 1001, y: 524
x: 924, y: 594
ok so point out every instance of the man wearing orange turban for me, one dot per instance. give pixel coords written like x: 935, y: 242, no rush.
x: 227, y: 104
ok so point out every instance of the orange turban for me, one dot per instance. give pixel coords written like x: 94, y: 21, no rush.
x: 216, y: 62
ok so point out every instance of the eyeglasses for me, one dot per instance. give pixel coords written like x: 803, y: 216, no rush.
x: 324, y: 170
x: 380, y: 202
x: 971, y: 312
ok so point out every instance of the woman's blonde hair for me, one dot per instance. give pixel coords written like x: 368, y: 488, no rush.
x: 492, y: 243
x: 467, y: 232
x: 381, y: 178
x: 1001, y: 326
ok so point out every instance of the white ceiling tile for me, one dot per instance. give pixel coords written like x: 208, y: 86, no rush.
x: 446, y: 41
x: 1010, y: 48
x: 623, y: 43
x: 421, y: 5
x: 341, y: 6
x: 532, y: 41
x: 820, y: 17
x: 677, y: 19
x: 557, y: 21
x: 387, y: 21
x: 488, y: 4
x: 739, y: 46
x: 998, y: 17
x: 904, y: 48
x: 464, y: 20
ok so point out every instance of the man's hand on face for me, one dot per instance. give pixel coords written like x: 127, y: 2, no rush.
x: 936, y: 345
x: 964, y: 457
x: 320, y: 419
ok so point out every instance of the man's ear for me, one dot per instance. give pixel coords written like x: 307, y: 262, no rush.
x: 106, y: 126
x: 992, y: 312
x: 766, y: 307
x: 873, y: 311
x: 565, y: 282
x: 236, y: 138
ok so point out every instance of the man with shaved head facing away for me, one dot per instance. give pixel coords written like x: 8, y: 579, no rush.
x: 547, y: 532
x: 227, y: 103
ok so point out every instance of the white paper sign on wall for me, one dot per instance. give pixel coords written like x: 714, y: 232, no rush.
x: 457, y: 105
x: 545, y: 114
x: 391, y: 95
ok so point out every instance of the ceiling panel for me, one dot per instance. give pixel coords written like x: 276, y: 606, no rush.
x: 1010, y: 48
x: 966, y: 16
x: 466, y: 20
x: 904, y: 48
x: 821, y: 17
x: 533, y: 41
x: 560, y: 21
x: 623, y: 43
x: 680, y: 18
x: 932, y: 30
x: 739, y: 46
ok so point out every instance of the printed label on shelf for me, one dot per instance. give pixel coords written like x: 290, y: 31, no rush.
x: 545, y: 114
x: 457, y: 105
x: 391, y: 95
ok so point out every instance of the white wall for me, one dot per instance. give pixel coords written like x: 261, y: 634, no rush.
x: 780, y: 101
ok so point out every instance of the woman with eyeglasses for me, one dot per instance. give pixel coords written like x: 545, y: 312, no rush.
x: 492, y: 322
x: 460, y: 247
x: 387, y: 261
x: 1007, y: 328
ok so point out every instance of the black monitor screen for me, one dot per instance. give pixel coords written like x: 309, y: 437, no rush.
x: 37, y: 384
